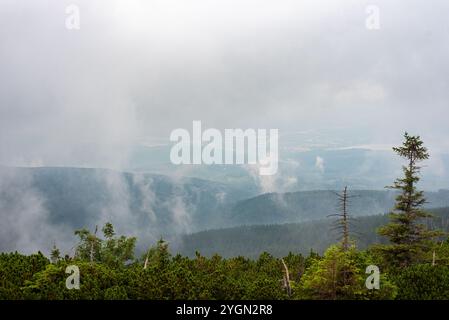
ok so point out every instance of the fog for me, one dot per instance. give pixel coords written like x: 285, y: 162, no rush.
x: 136, y: 70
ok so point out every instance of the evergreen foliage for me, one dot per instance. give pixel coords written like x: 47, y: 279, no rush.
x: 408, y: 235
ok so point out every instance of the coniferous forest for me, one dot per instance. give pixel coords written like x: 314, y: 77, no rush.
x: 411, y: 262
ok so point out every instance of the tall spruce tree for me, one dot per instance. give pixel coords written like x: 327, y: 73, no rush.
x: 408, y: 236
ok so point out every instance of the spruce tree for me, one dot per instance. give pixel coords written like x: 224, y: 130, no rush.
x: 408, y: 236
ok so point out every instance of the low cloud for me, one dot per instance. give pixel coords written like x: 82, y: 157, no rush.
x: 25, y: 221
x: 319, y: 164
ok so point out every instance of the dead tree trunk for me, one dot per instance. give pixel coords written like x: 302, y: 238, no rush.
x: 286, y: 279
x: 94, y: 238
x: 342, y: 223
x: 344, y: 218
x: 433, y: 257
x: 146, y: 261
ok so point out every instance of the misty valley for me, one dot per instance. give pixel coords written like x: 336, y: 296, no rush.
x: 190, y: 213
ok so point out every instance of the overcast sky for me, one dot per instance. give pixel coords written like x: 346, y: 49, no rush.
x: 136, y: 70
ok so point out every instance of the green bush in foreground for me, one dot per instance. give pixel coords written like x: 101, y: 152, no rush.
x: 16, y: 269
x: 423, y: 282
x: 338, y: 274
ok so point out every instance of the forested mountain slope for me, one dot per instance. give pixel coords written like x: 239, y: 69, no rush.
x: 279, y: 240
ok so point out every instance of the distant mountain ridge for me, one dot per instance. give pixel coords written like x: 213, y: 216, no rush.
x: 146, y: 205
x: 276, y: 208
x: 280, y: 239
x: 42, y: 206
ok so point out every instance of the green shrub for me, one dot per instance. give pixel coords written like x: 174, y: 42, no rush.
x: 423, y: 282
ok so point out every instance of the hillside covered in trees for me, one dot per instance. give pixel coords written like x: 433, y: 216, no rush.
x: 405, y: 255
x: 280, y: 239
x: 278, y: 208
x: 149, y: 206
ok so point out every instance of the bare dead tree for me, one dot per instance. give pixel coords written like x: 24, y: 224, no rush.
x: 92, y: 244
x: 146, y: 261
x: 286, y: 279
x: 343, y: 222
x: 344, y: 218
